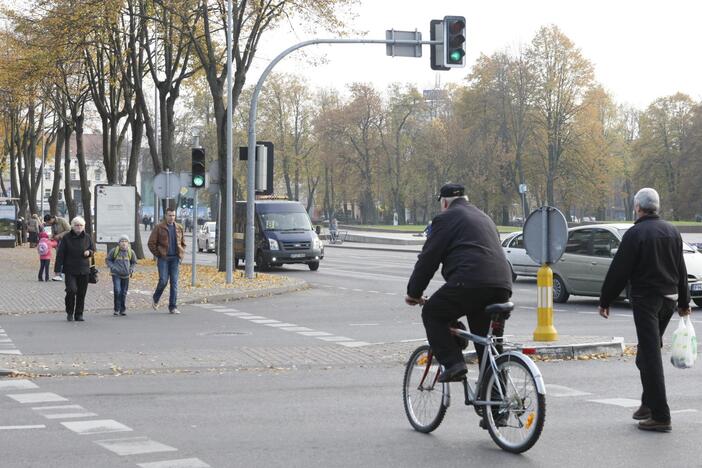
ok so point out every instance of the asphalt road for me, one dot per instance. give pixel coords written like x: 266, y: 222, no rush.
x: 307, y: 379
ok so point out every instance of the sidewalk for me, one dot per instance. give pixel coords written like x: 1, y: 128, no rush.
x: 22, y: 293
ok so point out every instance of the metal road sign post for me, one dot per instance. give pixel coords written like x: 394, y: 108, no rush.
x: 251, y: 163
x: 545, y: 238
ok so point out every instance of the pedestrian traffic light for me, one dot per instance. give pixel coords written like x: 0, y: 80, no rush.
x: 198, y: 168
x: 436, y: 51
x: 454, y: 41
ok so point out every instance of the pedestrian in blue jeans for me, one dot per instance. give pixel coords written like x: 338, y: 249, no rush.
x: 167, y: 244
x: 121, y: 261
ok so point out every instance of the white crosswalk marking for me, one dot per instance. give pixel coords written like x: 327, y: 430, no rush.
x: 10, y: 428
x: 561, y: 391
x: 314, y: 333
x: 21, y: 384
x: 36, y: 397
x: 353, y: 344
x: 63, y: 411
x: 134, y: 446
x: 624, y: 402
x: 97, y: 426
x: 181, y: 463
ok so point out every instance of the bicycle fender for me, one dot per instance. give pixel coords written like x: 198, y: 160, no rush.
x: 540, y: 386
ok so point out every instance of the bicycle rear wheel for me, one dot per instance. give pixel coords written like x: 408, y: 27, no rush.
x: 517, y: 418
x: 422, y: 393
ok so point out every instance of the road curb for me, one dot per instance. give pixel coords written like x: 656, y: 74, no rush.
x: 613, y: 348
x: 7, y: 373
x: 299, y: 285
x: 382, y: 249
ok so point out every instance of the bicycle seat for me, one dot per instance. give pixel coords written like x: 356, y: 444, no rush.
x: 500, y: 311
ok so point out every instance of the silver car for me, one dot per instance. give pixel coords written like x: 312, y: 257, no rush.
x: 206, y: 237
x: 584, y: 264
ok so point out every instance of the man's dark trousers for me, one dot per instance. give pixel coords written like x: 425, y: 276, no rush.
x: 450, y: 303
x: 651, y: 315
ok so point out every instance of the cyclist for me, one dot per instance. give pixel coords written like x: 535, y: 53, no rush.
x: 465, y: 241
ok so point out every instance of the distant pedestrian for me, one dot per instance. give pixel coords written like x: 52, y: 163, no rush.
x: 44, y: 247
x: 151, y: 222
x: 167, y: 244
x: 333, y: 229
x: 19, y: 234
x: 34, y: 225
x: 121, y: 260
x: 59, y: 228
x: 73, y: 258
x: 650, y: 258
x: 145, y: 222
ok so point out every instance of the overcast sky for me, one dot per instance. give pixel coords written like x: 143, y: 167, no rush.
x: 641, y: 50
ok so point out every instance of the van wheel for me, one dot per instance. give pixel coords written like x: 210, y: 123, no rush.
x: 199, y: 249
x: 698, y: 302
x: 314, y: 266
x: 262, y: 266
x: 514, y: 276
x: 560, y: 293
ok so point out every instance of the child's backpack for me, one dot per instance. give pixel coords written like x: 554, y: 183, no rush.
x: 115, y: 253
x: 43, y: 248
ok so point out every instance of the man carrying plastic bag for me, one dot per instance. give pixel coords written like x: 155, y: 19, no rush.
x: 650, y: 258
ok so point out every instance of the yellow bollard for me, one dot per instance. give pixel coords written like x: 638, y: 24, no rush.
x: 545, y: 330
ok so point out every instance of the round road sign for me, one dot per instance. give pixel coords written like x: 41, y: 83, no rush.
x: 545, y: 235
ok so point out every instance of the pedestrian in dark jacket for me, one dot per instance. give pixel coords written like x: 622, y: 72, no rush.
x: 650, y: 258
x: 73, y: 258
x: 121, y: 262
x: 465, y: 242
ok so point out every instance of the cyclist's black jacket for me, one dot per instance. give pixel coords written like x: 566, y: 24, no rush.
x: 650, y: 256
x: 465, y: 241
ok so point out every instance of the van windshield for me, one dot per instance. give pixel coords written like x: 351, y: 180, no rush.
x: 291, y: 221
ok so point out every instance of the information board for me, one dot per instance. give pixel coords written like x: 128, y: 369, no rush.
x: 115, y: 212
x: 8, y: 219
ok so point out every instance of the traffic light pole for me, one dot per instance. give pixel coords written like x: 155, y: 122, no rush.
x: 194, y: 241
x: 251, y: 163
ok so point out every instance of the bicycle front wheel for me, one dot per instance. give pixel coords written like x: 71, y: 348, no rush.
x: 422, y: 393
x: 516, y: 414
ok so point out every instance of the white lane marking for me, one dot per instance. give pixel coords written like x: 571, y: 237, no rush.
x: 314, y: 333
x: 134, y: 446
x: 278, y: 325
x: 96, y: 426
x: 341, y: 287
x: 21, y: 384
x: 587, y: 313
x: 9, y: 428
x: 560, y: 310
x: 209, y: 306
x: 265, y: 321
x: 63, y: 411
x: 227, y: 310
x: 181, y: 463
x: 561, y: 391
x: 624, y: 402
x: 357, y: 290
x: 374, y: 292
x: 390, y: 294
x: 36, y: 397
x: 251, y: 317
x: 5, y: 340
x: 689, y: 410
x: 10, y: 351
x: 334, y: 338
x: 238, y: 314
x: 363, y: 324
x: 353, y: 344
x: 296, y: 329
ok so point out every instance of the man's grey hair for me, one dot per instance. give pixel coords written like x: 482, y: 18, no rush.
x: 450, y: 200
x: 648, y: 200
x: 79, y: 220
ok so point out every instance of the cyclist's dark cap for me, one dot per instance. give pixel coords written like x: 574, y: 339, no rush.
x: 451, y: 190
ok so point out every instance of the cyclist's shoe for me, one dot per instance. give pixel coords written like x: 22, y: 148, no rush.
x: 454, y: 373
x: 642, y: 413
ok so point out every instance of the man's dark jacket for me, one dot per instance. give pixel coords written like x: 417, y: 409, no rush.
x: 650, y: 256
x: 69, y: 255
x: 465, y: 241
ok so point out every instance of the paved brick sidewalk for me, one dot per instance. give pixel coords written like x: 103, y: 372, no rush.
x: 22, y: 293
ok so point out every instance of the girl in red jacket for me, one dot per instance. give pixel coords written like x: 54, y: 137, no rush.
x: 44, y: 249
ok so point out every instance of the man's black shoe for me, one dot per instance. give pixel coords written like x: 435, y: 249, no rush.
x: 454, y: 373
x: 657, y: 426
x: 642, y: 413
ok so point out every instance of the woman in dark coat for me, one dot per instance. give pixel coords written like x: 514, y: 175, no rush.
x: 73, y: 256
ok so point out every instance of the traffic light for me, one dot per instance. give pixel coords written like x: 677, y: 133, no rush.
x: 436, y: 51
x: 198, y: 168
x: 454, y: 41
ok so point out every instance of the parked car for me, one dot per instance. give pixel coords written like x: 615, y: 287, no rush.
x: 207, y: 237
x: 584, y: 264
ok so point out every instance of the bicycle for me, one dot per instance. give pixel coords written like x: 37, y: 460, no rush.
x: 509, y: 393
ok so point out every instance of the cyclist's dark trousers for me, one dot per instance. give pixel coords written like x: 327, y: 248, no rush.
x: 651, y: 316
x: 450, y: 303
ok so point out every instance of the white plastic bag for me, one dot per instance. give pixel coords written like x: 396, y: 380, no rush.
x: 684, y: 345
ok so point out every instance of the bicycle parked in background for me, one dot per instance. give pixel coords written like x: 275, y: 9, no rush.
x: 509, y: 394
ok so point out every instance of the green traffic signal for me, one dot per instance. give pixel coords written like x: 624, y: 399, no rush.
x: 198, y: 181
x: 456, y: 55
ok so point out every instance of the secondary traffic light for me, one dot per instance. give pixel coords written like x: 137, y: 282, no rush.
x: 198, y: 168
x: 454, y: 41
